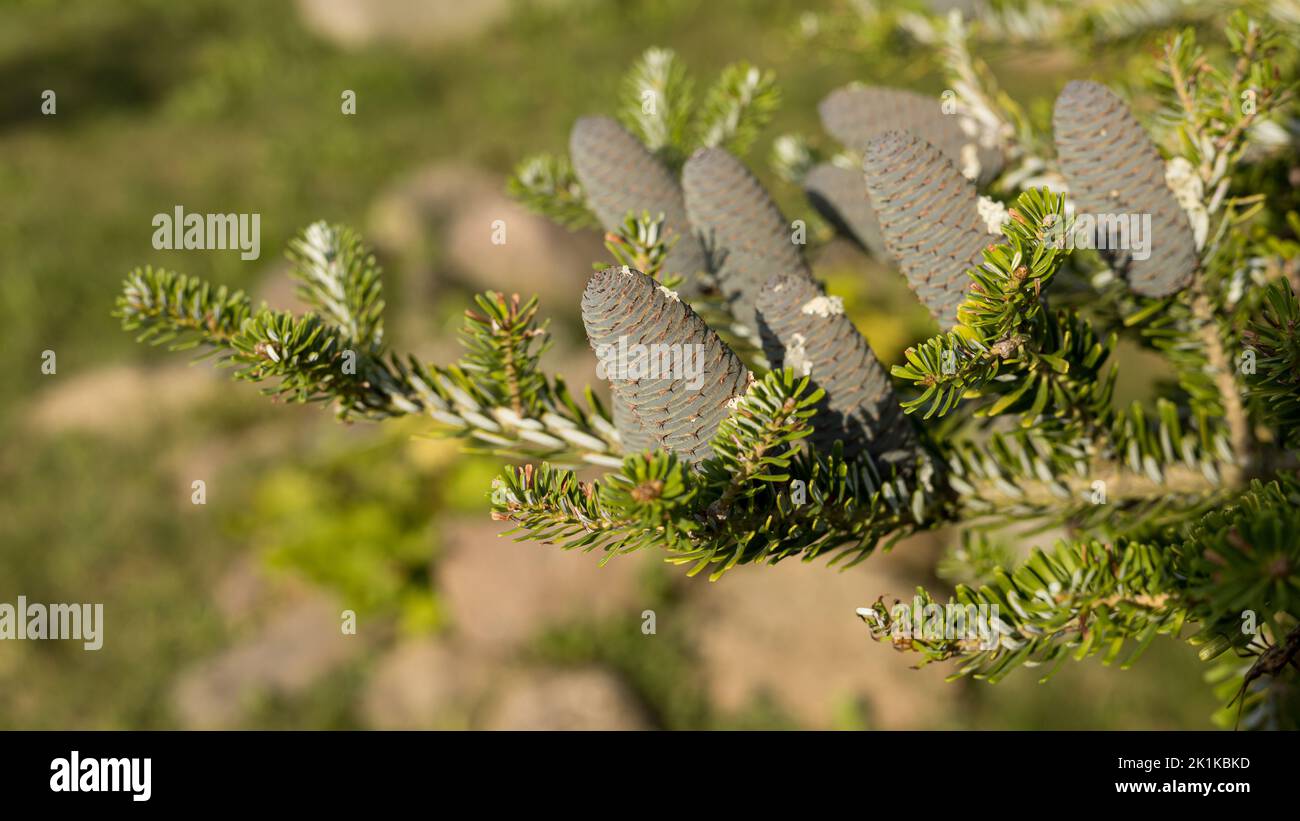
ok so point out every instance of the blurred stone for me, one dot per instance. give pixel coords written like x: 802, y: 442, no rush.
x: 589, y: 699
x: 121, y: 398
x: 355, y: 23
x: 423, y: 683
x: 790, y: 632
x: 296, y: 648
x: 402, y: 213
x: 278, y: 289
x: 537, y: 256
x: 289, y: 427
x: 440, y: 223
x: 247, y: 592
x: 500, y: 592
x: 242, y: 590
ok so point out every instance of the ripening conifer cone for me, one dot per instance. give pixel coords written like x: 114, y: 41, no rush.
x: 680, y: 376
x: 856, y: 114
x: 807, y: 331
x: 634, y: 436
x: 747, y: 239
x: 619, y: 175
x: 930, y: 219
x: 1113, y: 168
x: 840, y: 196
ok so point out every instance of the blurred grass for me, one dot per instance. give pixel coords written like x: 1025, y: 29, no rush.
x: 235, y: 107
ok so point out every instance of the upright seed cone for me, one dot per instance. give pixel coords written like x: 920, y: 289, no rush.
x: 620, y: 175
x: 929, y: 217
x: 855, y: 115
x: 675, y: 376
x: 807, y: 331
x: 634, y: 436
x: 747, y: 239
x: 1113, y: 168
x: 840, y: 196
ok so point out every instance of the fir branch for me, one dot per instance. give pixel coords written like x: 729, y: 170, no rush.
x: 1078, y: 599
x: 657, y: 104
x: 546, y: 185
x: 762, y: 497
x: 737, y: 108
x: 501, y: 352
x: 495, y: 396
x: 948, y: 366
x: 1274, y: 339
x: 1118, y: 482
x: 627, y: 510
x: 809, y: 459
x: 642, y: 243
x: 753, y: 444
x: 338, y: 276
x: 793, y: 156
x: 1093, y: 597
x: 1225, y: 381
x: 1005, y: 322
x: 179, y: 311
x: 1212, y: 108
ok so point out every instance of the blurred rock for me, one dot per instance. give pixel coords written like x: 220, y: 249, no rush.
x: 120, y: 398
x: 589, y: 699
x: 415, y: 22
x: 248, y: 592
x: 295, y: 648
x: 500, y: 593
x: 278, y: 289
x: 242, y: 591
x: 289, y: 428
x: 790, y: 632
x: 536, y: 256
x: 439, y: 223
x: 423, y: 683
x: 402, y: 213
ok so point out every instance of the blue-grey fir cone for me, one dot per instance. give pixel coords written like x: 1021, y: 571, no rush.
x: 746, y: 238
x: 683, y: 389
x: 1113, y: 167
x: 807, y: 331
x: 619, y: 175
x: 633, y: 435
x: 840, y: 196
x: 929, y: 217
x: 856, y: 114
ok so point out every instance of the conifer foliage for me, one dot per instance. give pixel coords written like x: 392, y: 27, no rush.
x: 1178, y: 512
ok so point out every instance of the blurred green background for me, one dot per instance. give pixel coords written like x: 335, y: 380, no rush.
x: 227, y: 614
